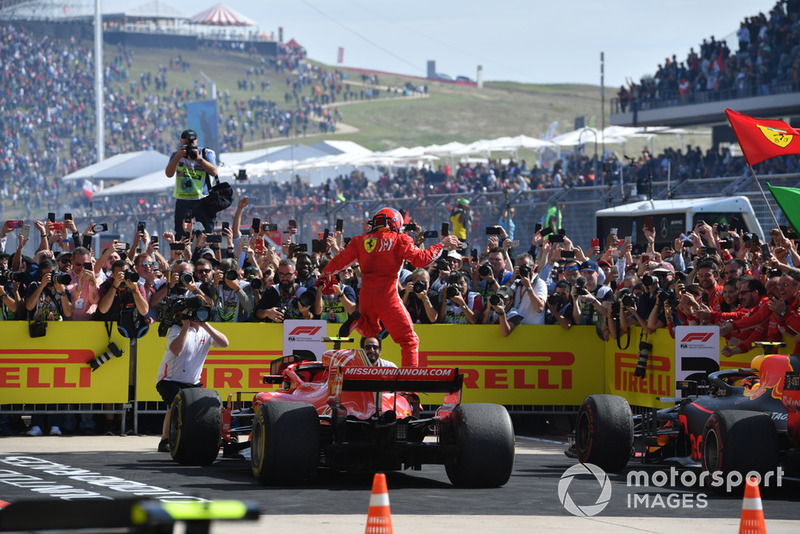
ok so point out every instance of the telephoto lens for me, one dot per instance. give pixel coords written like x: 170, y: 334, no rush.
x: 645, y: 349
x: 112, y: 350
x: 256, y: 283
x: 131, y: 276
x: 231, y: 275
x: 186, y: 278
x: 524, y: 271
x: 452, y: 291
x: 418, y: 286
x: 61, y: 278
x: 494, y: 300
x: 484, y: 270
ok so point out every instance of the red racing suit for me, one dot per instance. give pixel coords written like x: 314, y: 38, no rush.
x: 380, y: 255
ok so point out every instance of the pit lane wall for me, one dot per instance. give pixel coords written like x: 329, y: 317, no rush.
x: 535, y: 366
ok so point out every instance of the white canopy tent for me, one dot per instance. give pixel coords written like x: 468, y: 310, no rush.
x: 121, y: 167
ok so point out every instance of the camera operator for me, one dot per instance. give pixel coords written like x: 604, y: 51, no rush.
x: 493, y: 274
x: 459, y: 304
x: 557, y: 304
x: 83, y: 288
x: 120, y: 291
x: 48, y: 299
x: 182, y: 365
x: 279, y: 301
x: 422, y: 304
x: 589, y: 300
x: 232, y: 296
x: 192, y: 167
x: 530, y: 294
x: 460, y: 219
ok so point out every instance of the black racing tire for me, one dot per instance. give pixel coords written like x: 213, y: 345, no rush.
x: 195, y: 426
x: 738, y: 440
x: 484, y: 437
x: 285, y: 444
x: 604, y: 432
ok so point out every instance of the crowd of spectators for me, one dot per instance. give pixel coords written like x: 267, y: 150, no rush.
x: 767, y: 61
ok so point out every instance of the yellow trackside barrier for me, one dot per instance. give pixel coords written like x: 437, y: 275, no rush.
x: 535, y: 365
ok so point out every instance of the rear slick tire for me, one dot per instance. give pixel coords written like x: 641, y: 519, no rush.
x: 195, y: 426
x: 484, y: 437
x: 604, y: 432
x: 284, y: 447
x: 741, y: 441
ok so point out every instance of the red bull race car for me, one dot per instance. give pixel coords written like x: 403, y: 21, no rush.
x: 344, y: 413
x: 744, y: 420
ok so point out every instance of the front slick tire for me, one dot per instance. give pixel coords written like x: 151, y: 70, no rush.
x: 484, y: 437
x: 195, y: 426
x: 284, y: 448
x: 604, y: 432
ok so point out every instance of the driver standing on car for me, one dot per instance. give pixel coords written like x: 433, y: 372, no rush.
x: 380, y: 254
x: 187, y: 349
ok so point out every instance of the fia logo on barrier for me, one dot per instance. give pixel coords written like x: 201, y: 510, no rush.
x: 600, y: 485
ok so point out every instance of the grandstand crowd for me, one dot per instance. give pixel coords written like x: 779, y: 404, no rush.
x: 767, y: 61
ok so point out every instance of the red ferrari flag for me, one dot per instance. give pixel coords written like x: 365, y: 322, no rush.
x: 762, y: 139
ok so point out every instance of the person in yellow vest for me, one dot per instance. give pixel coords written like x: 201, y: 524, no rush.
x: 460, y: 219
x: 191, y: 166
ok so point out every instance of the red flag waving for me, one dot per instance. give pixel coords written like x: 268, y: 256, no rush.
x: 762, y: 139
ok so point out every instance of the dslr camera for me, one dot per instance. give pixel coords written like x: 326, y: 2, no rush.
x: 418, y: 287
x: 628, y: 300
x: 60, y: 277
x: 452, y: 288
x: 7, y: 276
x: 191, y: 150
x: 485, y: 270
x: 524, y: 271
x: 174, y: 309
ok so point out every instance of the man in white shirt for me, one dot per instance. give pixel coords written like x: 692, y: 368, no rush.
x: 187, y: 349
x: 372, y: 347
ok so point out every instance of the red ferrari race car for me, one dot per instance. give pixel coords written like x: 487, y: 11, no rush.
x: 744, y: 420
x: 343, y: 413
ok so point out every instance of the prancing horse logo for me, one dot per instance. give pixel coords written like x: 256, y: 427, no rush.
x: 369, y: 244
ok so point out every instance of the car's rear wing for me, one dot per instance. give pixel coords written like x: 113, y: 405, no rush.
x: 416, y: 379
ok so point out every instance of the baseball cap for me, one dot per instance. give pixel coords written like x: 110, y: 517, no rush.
x: 188, y: 134
x: 665, y: 267
x: 463, y: 201
x: 603, y: 263
x: 455, y: 255
x: 589, y: 265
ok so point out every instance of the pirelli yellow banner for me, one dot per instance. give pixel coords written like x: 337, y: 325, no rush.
x: 534, y: 366
x: 55, y: 368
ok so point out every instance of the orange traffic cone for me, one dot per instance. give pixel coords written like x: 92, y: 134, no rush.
x: 379, y: 518
x: 752, y: 512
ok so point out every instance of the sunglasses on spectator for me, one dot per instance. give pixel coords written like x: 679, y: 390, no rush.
x: 147, y: 264
x: 372, y: 347
x: 571, y: 268
x: 203, y: 271
x: 65, y: 260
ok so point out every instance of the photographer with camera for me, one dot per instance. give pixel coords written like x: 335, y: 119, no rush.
x: 459, y: 304
x: 48, y: 299
x: 590, y: 301
x: 232, y: 296
x: 191, y: 166
x: 188, y: 344
x: 121, y: 291
x: 279, y: 301
x: 84, y: 286
x: 421, y: 303
x: 461, y: 219
x: 529, y: 292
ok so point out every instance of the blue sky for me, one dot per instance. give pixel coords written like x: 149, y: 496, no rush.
x: 531, y: 41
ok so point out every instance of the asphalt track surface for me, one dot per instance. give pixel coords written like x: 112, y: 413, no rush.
x: 421, y: 501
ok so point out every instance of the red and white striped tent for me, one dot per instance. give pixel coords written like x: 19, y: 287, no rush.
x: 221, y: 15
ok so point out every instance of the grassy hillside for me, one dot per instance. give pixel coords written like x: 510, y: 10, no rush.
x: 451, y: 112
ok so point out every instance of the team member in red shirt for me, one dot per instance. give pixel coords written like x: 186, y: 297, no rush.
x: 380, y: 254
